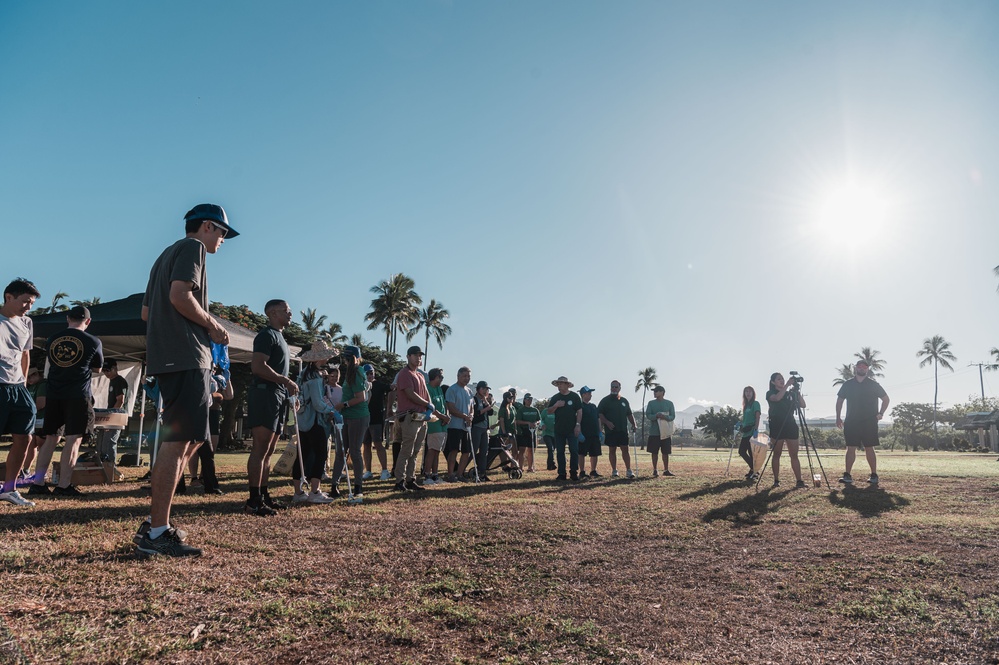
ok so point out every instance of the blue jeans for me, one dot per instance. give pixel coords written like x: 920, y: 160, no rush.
x: 560, y: 442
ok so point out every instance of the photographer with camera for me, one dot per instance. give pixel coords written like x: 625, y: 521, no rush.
x: 783, y: 398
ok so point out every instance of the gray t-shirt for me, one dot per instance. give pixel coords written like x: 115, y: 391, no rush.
x: 461, y: 398
x: 15, y: 339
x: 173, y: 342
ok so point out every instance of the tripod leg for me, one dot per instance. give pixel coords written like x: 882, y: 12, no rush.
x: 729, y: 465
x: 763, y: 468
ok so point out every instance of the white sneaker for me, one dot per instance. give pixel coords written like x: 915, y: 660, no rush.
x: 301, y: 497
x: 614, y: 473
x: 429, y: 481
x: 631, y: 474
x: 15, y: 498
x: 320, y: 497
x: 386, y: 475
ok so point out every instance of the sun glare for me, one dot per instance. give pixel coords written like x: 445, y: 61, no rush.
x: 852, y: 212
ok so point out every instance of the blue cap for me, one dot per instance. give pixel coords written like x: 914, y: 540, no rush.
x: 352, y: 351
x: 585, y: 389
x: 367, y: 367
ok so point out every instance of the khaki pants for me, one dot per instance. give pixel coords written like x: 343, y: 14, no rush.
x: 413, y: 434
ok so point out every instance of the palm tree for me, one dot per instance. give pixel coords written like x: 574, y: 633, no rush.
x: 845, y: 374
x: 935, y: 350
x: 646, y: 381
x: 96, y: 300
x: 57, y: 306
x: 431, y: 322
x: 312, y: 321
x: 995, y: 357
x: 335, y: 333
x: 870, y: 356
x: 395, y: 308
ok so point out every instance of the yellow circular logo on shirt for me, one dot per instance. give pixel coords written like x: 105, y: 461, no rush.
x: 66, y: 351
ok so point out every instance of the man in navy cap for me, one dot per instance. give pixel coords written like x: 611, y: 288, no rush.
x: 179, y: 333
x: 589, y: 434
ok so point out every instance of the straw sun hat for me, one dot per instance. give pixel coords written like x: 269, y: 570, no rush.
x: 561, y: 379
x: 319, y: 352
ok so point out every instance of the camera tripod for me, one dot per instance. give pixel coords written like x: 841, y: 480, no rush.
x: 807, y: 441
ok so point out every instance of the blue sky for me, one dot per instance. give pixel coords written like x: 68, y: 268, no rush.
x: 719, y: 190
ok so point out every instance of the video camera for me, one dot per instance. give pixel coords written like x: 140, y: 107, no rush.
x: 795, y: 380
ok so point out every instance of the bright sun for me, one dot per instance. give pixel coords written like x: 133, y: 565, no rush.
x: 851, y: 212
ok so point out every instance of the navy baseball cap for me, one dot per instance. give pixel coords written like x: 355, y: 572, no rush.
x: 585, y: 389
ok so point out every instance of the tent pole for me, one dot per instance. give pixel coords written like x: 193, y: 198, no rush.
x: 142, y: 418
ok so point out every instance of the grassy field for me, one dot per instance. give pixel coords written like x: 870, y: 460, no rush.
x: 691, y: 569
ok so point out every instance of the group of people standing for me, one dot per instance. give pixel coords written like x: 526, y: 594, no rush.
x: 866, y: 402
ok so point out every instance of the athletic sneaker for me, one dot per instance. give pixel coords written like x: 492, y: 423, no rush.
x: 15, y: 498
x: 631, y: 474
x: 583, y: 476
x: 776, y: 483
x: 429, y: 480
x: 261, y: 510
x: 271, y: 503
x: 367, y: 475
x: 846, y: 479
x: 668, y: 473
x: 40, y: 490
x: 319, y: 497
x: 67, y: 491
x: 655, y: 473
x: 614, y: 473
x: 168, y: 544
x: 413, y: 486
x: 800, y: 485
x: 300, y: 497
x: 873, y: 480
x: 594, y: 474
x: 385, y: 475
x: 560, y: 477
x: 147, y: 525
x: 400, y: 487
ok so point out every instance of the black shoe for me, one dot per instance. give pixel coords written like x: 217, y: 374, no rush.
x: 400, y: 487
x: 334, y: 492
x: 271, y: 503
x: 67, y: 491
x: 168, y: 544
x: 552, y: 467
x: 582, y: 475
x: 147, y: 525
x: 668, y: 473
x: 214, y: 490
x: 594, y: 474
x: 261, y: 510
x: 800, y: 485
x: 412, y: 486
x: 358, y: 487
x: 560, y: 477
x: 40, y: 490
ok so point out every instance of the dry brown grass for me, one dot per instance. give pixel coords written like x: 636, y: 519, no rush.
x: 692, y: 569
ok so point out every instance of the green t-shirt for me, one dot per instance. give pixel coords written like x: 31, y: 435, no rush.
x: 565, y: 416
x: 36, y: 391
x: 437, y: 399
x: 749, y: 418
x: 658, y: 406
x: 548, y: 420
x: 508, y: 418
x: 529, y: 414
x: 352, y: 389
x: 616, y: 410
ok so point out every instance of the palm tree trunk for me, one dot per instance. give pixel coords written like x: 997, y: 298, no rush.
x: 936, y: 442
x: 426, y: 346
x: 645, y: 391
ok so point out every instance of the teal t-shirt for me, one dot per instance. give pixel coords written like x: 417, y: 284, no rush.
x: 749, y: 417
x: 437, y: 399
x: 548, y: 420
x: 657, y: 406
x: 350, y: 390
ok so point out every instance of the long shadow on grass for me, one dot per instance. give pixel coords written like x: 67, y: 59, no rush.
x: 719, y: 488
x: 748, y: 510
x: 868, y: 502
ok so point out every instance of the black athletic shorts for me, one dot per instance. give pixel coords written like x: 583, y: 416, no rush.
x: 861, y: 435
x: 267, y: 406
x: 17, y: 409
x: 76, y: 413
x: 590, y: 446
x: 187, y: 398
x: 525, y: 440
x: 458, y: 440
x: 616, y: 437
x: 654, y: 445
x: 786, y: 430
